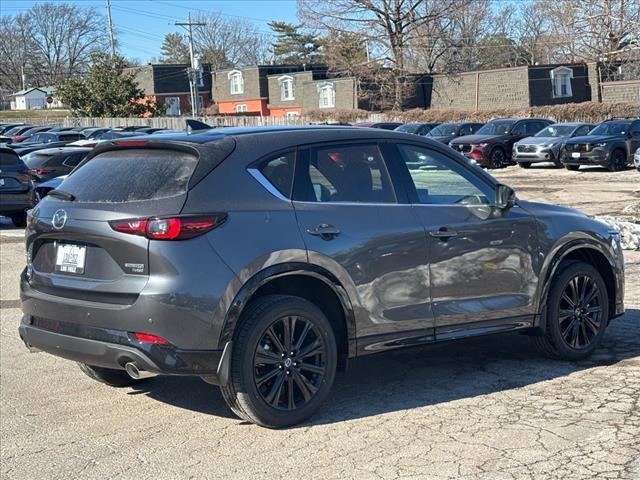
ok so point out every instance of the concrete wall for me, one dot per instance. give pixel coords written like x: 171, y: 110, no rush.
x: 622, y: 91
x: 503, y: 88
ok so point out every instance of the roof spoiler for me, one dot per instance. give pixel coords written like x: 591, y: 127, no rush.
x: 195, y: 125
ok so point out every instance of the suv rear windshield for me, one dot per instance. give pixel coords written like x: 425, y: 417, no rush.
x: 132, y: 175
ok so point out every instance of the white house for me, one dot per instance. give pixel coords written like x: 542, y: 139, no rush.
x: 34, y: 98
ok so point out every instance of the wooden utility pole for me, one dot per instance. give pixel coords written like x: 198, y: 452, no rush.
x: 110, y: 25
x: 192, y: 72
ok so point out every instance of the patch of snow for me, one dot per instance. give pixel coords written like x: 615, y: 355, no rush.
x: 629, y: 231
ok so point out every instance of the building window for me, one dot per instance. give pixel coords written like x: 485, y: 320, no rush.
x: 327, y: 96
x: 561, y: 82
x: 241, y: 108
x: 286, y: 88
x: 200, y: 102
x: 236, y: 82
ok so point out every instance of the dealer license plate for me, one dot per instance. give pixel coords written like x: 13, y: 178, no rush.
x: 70, y: 258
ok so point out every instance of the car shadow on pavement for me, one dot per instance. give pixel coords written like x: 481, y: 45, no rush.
x: 417, y: 377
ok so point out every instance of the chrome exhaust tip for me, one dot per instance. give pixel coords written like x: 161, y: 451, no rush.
x: 134, y: 372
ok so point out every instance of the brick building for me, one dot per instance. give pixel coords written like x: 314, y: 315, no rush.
x: 168, y: 84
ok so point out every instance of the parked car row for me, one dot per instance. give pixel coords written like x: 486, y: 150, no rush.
x: 507, y: 141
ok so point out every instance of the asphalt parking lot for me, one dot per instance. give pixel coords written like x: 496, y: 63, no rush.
x: 484, y: 408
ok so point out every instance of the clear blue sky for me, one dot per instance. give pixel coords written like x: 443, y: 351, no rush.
x: 140, y: 25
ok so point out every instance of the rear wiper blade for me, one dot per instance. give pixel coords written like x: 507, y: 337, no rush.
x: 62, y: 194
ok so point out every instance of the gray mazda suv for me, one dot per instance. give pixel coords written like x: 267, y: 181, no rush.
x: 263, y: 259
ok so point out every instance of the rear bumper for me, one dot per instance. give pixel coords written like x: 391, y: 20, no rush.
x: 114, y: 349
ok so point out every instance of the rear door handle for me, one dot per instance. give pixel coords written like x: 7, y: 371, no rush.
x: 324, y: 230
x: 443, y: 233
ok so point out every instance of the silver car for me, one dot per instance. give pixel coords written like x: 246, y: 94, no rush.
x: 636, y: 159
x: 545, y: 145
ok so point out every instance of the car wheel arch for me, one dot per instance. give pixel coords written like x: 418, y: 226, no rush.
x: 311, y: 282
x: 580, y: 250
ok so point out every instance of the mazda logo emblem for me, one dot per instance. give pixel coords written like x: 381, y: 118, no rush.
x: 59, y: 219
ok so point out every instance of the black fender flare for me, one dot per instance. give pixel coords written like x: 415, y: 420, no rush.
x: 273, y: 272
x: 551, y: 269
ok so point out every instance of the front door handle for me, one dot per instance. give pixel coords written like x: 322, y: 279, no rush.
x: 324, y: 230
x: 443, y: 233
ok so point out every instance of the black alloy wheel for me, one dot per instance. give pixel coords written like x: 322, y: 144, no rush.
x: 577, y: 313
x: 497, y: 158
x: 289, y: 363
x: 618, y: 161
x: 581, y: 312
x: 283, y: 361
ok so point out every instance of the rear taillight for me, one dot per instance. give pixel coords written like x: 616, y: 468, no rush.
x: 170, y: 228
x: 149, y: 338
x: 39, y: 171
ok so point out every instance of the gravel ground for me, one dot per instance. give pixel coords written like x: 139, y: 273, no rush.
x: 485, y: 408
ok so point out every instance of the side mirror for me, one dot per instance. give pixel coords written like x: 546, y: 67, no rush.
x: 505, y: 197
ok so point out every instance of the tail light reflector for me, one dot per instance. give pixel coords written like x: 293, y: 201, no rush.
x: 149, y: 338
x: 170, y: 228
x: 39, y: 171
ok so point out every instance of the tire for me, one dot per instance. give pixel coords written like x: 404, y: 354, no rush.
x: 280, y: 401
x: 573, y: 168
x: 570, y: 332
x: 108, y: 376
x: 618, y: 161
x: 525, y: 164
x: 497, y: 158
x: 19, y: 219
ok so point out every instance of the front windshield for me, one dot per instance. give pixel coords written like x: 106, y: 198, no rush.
x: 444, y: 130
x: 501, y: 127
x: 408, y: 128
x: 556, y: 131
x: 611, y: 128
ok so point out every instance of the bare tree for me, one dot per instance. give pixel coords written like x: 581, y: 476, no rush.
x: 49, y: 43
x: 65, y: 36
x: 226, y: 42
x: 386, y: 25
x: 17, y: 51
x: 590, y: 30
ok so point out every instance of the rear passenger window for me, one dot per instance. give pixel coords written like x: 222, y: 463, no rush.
x: 344, y: 173
x: 279, y: 172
